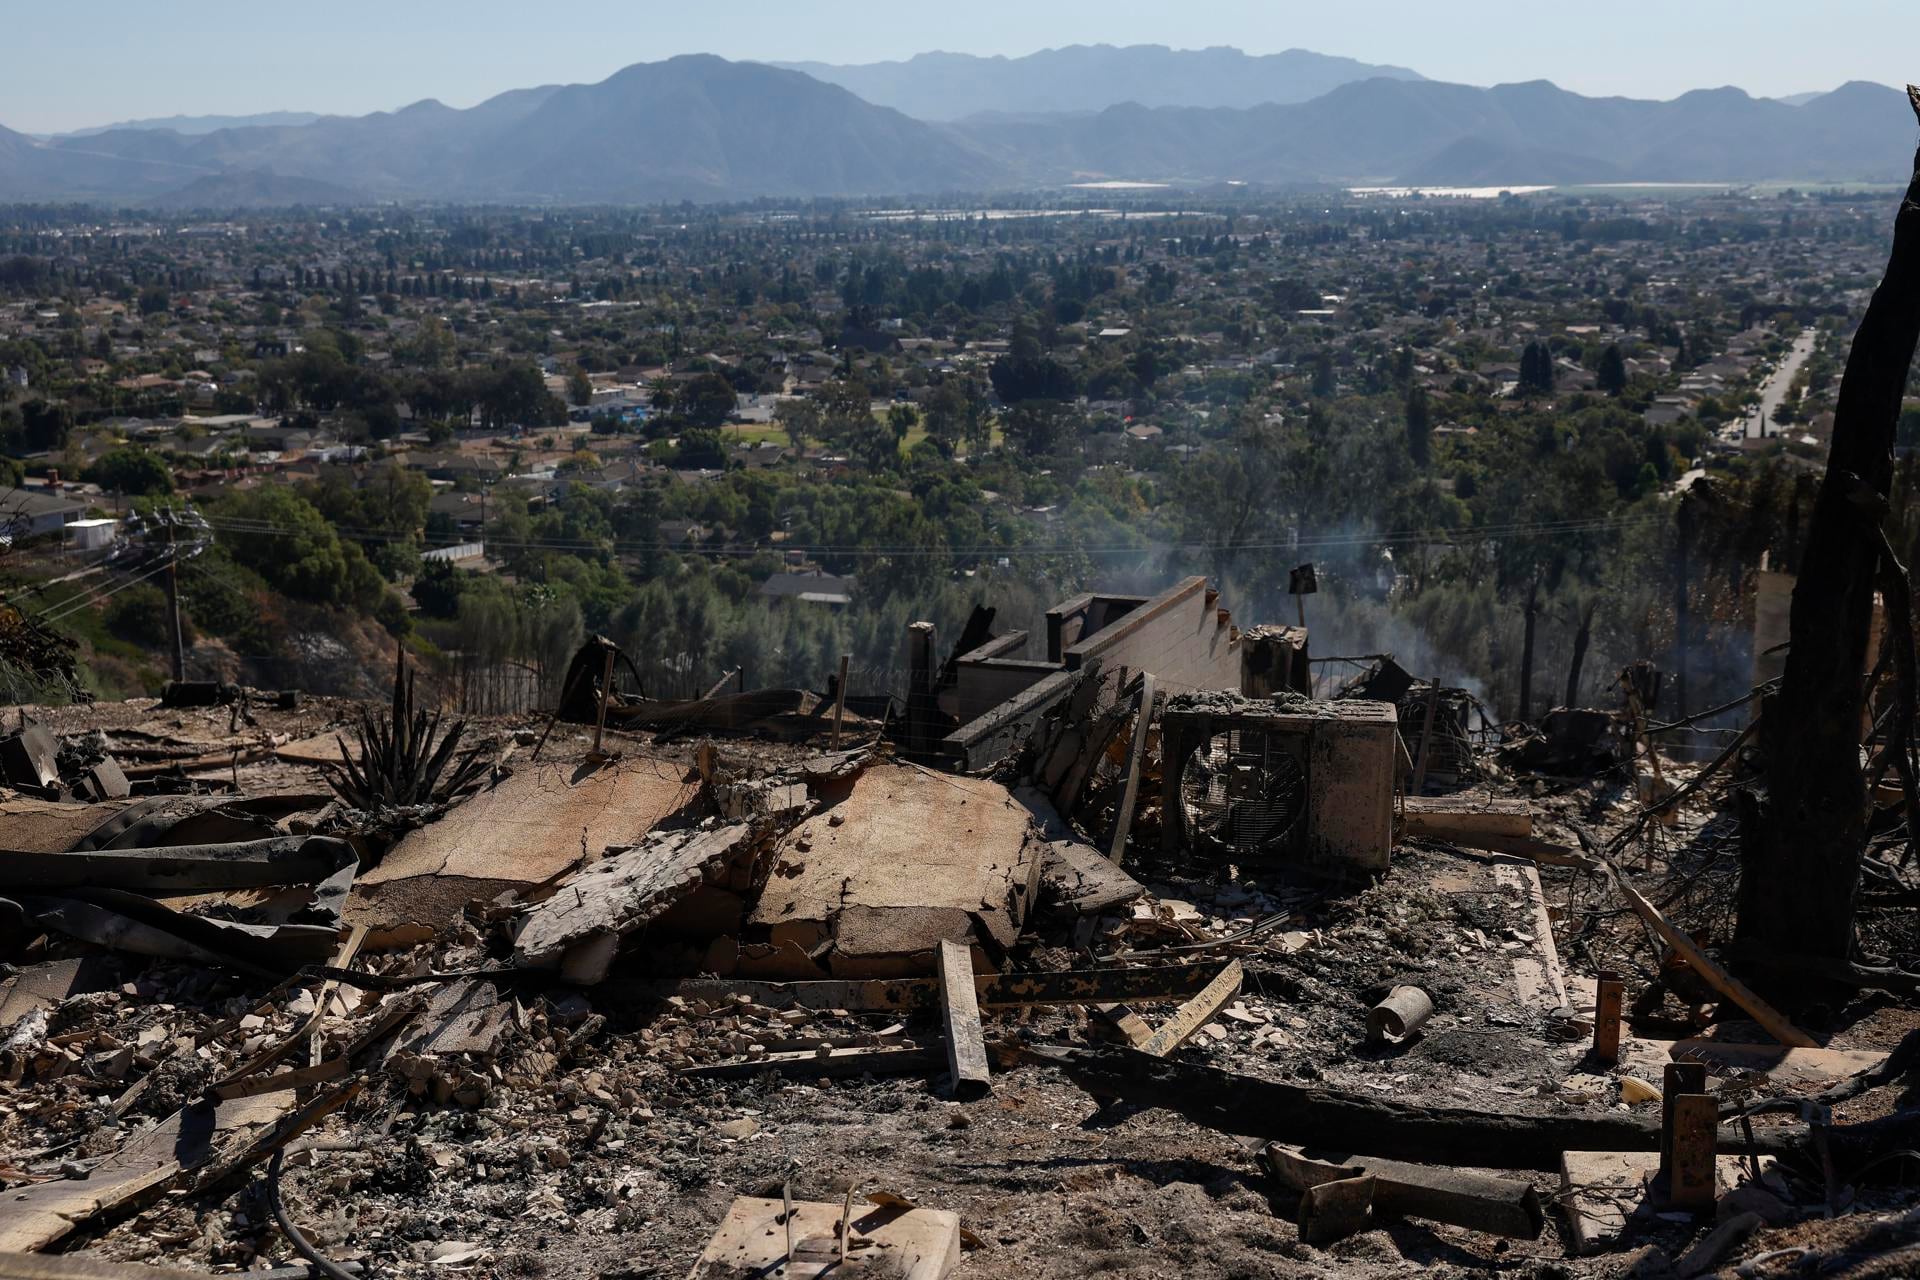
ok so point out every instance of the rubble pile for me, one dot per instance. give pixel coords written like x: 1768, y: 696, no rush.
x: 1191, y: 985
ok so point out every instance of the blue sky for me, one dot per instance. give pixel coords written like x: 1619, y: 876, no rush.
x: 65, y: 66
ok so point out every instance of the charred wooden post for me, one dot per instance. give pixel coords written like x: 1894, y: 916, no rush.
x: 1800, y: 856
x: 1608, y: 992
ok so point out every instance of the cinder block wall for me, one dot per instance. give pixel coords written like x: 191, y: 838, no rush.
x: 984, y: 685
x: 1178, y: 636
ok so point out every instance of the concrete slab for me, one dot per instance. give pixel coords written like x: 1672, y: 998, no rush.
x: 537, y: 823
x: 1796, y: 1068
x: 908, y: 858
x: 530, y: 828
x: 1606, y: 1192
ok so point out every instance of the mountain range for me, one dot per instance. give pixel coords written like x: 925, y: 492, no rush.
x: 704, y: 129
x: 201, y: 124
x: 1088, y: 78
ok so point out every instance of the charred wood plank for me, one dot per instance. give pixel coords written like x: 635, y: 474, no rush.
x: 243, y: 864
x: 1461, y: 1198
x: 1244, y: 1105
x: 960, y: 1018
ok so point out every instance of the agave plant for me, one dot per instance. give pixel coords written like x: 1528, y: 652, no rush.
x: 403, y: 760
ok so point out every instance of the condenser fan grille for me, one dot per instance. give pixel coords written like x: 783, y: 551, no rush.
x: 1245, y: 792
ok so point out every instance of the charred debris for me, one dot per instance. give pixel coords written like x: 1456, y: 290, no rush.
x: 313, y: 988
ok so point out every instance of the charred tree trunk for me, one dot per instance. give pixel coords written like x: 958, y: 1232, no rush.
x: 1800, y: 864
x: 1582, y: 637
x: 1682, y: 531
x: 1526, y: 652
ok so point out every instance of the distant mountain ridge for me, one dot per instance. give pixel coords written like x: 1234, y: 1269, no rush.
x: 695, y: 128
x: 954, y: 86
x: 191, y: 125
x: 1432, y: 133
x: 704, y: 129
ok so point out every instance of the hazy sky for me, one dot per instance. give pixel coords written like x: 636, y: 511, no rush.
x: 70, y: 65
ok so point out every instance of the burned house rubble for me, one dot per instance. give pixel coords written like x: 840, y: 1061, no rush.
x: 1164, y: 953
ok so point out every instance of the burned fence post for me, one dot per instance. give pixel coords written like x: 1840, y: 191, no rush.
x: 1608, y: 993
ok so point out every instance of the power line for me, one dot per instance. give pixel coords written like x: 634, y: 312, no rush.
x: 70, y: 607
x: 1485, y: 534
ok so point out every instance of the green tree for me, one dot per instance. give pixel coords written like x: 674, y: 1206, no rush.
x: 288, y: 542
x: 802, y: 420
x: 700, y: 449
x: 1419, y: 426
x: 1611, y: 377
x: 846, y: 411
x: 516, y: 395
x: 1039, y: 428
x: 579, y: 388
x: 438, y: 589
x: 946, y: 416
x: 139, y: 615
x: 44, y: 428
x: 1325, y: 383
x: 708, y: 400
x: 131, y: 472
x: 431, y: 345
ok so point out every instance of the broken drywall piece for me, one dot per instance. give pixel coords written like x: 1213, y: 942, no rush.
x: 41, y: 987
x: 630, y: 888
x: 759, y: 1239
x: 760, y: 798
x: 1074, y: 875
x: 1082, y: 881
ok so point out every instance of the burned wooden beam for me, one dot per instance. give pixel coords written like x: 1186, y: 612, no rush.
x: 1136, y: 760
x: 960, y: 1018
x: 1476, y: 1201
x: 244, y: 864
x: 1252, y: 1107
x: 1197, y: 1012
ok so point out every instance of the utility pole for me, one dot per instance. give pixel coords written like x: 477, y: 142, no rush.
x: 173, y: 603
